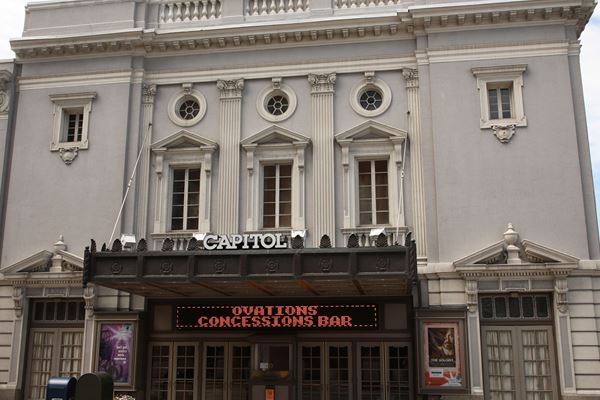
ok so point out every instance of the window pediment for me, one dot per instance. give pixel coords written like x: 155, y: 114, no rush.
x: 275, y: 136
x: 369, y: 131
x: 184, y: 139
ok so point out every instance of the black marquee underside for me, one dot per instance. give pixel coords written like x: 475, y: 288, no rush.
x: 330, y: 272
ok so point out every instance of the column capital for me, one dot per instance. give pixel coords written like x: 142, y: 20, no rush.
x: 411, y: 76
x: 230, y: 88
x: 322, y: 83
x: 148, y: 91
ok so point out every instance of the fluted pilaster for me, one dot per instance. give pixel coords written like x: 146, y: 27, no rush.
x: 416, y: 161
x: 148, y: 94
x: 323, y: 87
x: 230, y: 123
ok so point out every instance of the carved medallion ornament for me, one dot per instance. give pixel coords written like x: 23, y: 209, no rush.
x: 272, y: 266
x: 116, y: 268
x: 230, y: 88
x: 504, y: 132
x: 220, y: 267
x: 322, y: 83
x: 411, y: 76
x: 68, y: 154
x: 326, y: 264
x: 166, y: 268
x: 382, y: 263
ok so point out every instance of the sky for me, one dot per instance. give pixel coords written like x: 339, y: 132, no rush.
x: 12, y: 13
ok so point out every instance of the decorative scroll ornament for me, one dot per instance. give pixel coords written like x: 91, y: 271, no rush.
x: 4, y: 99
x: 471, y: 292
x: 560, y: 294
x: 411, y: 76
x: 149, y: 92
x: 5, y: 77
x: 116, y: 268
x: 504, y: 132
x: 18, y: 296
x: 68, y: 154
x: 322, y: 83
x: 231, y: 88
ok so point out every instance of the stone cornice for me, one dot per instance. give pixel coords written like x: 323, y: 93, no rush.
x: 302, y: 31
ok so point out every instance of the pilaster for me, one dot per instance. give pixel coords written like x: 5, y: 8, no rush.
x: 411, y: 77
x: 562, y: 327
x: 148, y: 94
x: 474, y: 335
x: 230, y: 123
x: 322, y: 90
x: 19, y: 338
x: 89, y: 296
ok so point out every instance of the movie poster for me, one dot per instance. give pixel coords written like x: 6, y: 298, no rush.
x: 115, y: 350
x: 443, y: 365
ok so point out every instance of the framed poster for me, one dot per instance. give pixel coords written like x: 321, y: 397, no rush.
x: 115, y: 348
x: 442, y: 364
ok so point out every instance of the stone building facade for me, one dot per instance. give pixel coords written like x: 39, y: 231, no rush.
x: 294, y: 199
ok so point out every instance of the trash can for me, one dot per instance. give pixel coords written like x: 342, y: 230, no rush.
x: 61, y: 388
x: 96, y: 386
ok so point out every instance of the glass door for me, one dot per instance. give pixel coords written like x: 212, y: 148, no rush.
x: 52, y: 352
x: 383, y: 371
x: 226, y: 373
x: 339, y: 371
x: 518, y: 363
x: 172, y: 372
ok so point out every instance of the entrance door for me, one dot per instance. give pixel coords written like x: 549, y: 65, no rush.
x: 52, y: 352
x: 518, y: 363
x: 173, y: 369
x: 226, y: 372
x: 382, y: 373
x: 326, y: 371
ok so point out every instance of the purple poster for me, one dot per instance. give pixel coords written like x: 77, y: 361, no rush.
x: 116, y: 345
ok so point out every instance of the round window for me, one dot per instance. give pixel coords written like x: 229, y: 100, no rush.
x: 277, y: 105
x: 189, y: 109
x: 370, y: 97
x: 371, y: 100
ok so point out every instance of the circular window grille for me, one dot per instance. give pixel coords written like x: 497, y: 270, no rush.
x: 371, y: 100
x: 277, y: 105
x: 189, y: 109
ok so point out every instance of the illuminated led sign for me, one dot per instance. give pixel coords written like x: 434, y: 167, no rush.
x: 322, y: 316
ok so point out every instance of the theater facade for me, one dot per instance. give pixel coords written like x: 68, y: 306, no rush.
x: 299, y: 200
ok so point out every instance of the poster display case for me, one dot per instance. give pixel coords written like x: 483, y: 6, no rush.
x: 441, y: 338
x: 115, y: 350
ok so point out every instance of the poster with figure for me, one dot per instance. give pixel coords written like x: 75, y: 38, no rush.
x: 443, y: 364
x: 115, y: 350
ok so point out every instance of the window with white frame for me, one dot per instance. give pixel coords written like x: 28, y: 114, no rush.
x: 275, y: 190
x: 185, y: 200
x: 277, y: 195
x: 71, y: 120
x: 373, y: 196
x: 372, y: 180
x: 501, y: 95
x: 182, y: 175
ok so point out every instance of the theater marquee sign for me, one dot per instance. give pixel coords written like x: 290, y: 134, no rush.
x: 306, y: 316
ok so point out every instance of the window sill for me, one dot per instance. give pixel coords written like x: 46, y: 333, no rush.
x: 489, y: 124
